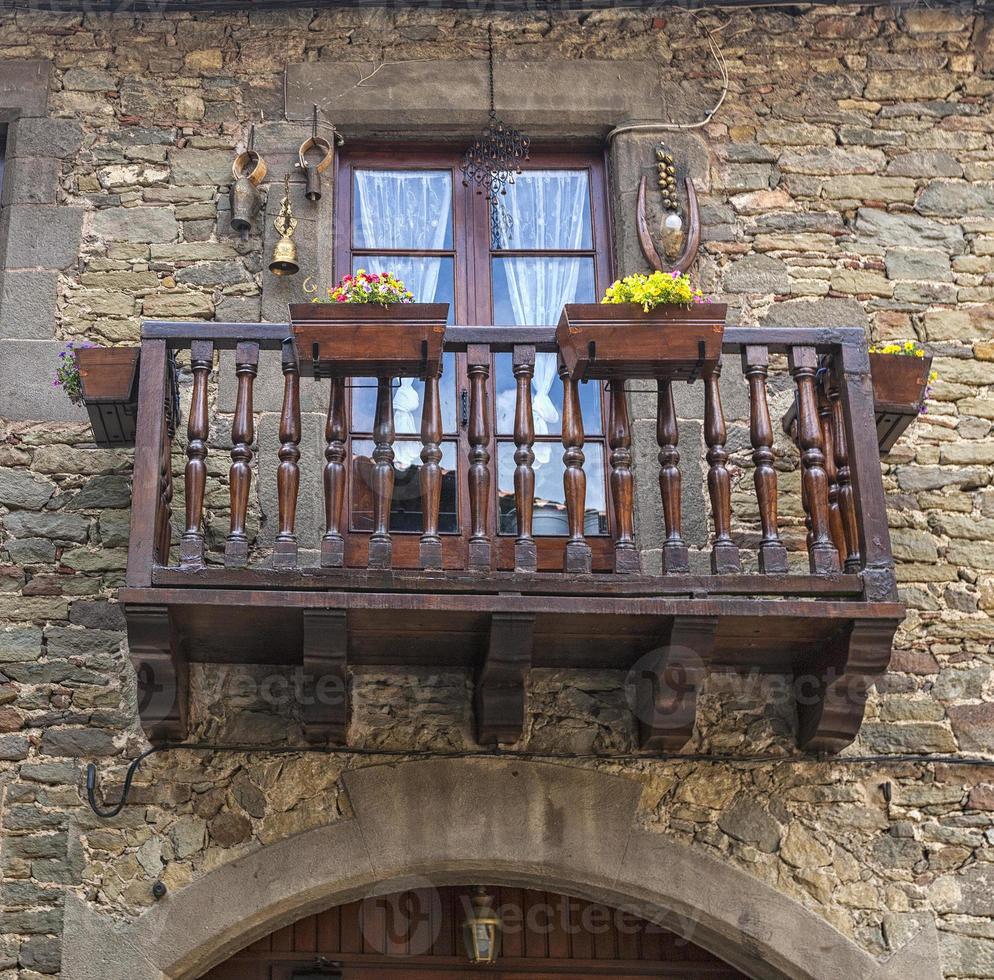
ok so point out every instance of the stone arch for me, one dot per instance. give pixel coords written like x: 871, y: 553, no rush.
x: 457, y: 820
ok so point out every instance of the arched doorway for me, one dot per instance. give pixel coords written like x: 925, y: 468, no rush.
x: 419, y: 934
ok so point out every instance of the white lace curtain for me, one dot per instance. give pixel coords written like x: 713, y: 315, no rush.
x: 405, y: 209
x: 547, y: 209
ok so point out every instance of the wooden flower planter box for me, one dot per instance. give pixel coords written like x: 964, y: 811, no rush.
x: 899, y: 385
x: 604, y: 341
x: 109, y: 381
x: 366, y: 340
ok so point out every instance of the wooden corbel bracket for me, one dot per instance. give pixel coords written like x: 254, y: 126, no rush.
x: 326, y: 695
x: 163, y: 676
x: 690, y: 247
x: 831, y: 696
x: 669, y: 680
x: 502, y: 679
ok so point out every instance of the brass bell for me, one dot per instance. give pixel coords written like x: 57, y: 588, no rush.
x: 244, y: 197
x: 312, y: 183
x: 284, y: 262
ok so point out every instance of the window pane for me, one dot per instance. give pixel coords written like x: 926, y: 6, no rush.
x: 405, y: 512
x: 408, y: 399
x: 532, y: 290
x: 547, y: 397
x: 549, y: 517
x: 402, y: 209
x: 429, y: 279
x: 544, y: 209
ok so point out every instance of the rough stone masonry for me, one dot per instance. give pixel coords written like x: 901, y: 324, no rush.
x: 847, y: 178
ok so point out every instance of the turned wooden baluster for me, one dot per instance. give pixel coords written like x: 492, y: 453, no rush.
x: 431, y: 475
x: 676, y: 558
x: 822, y: 554
x: 578, y: 556
x: 724, y: 551
x: 831, y: 471
x: 525, y: 550
x: 755, y: 366
x: 242, y: 434
x: 382, y: 478
x: 191, y: 545
x: 478, y: 367
x: 847, y: 502
x: 336, y: 430
x: 288, y: 472
x: 626, y: 558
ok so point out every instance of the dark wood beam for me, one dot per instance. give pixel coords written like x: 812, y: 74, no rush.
x: 501, y: 681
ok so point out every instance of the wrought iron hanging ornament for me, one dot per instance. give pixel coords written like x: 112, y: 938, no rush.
x: 494, y: 158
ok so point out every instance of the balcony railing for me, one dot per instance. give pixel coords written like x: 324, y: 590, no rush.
x: 500, y: 603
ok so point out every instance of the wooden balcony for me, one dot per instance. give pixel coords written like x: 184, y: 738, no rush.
x: 498, y: 600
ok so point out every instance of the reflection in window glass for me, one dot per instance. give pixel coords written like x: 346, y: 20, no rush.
x: 406, y: 513
x: 547, y: 397
x: 550, y: 499
x: 408, y: 399
x: 402, y: 209
x: 429, y: 279
x: 533, y: 289
x: 545, y: 209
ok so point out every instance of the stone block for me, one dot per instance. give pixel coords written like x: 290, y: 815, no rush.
x: 891, y: 228
x: 30, y: 180
x: 27, y: 304
x: 974, y: 728
x: 817, y: 313
x: 76, y: 742
x: 144, y: 225
x: 45, y: 236
x: 236, y: 309
x: 915, y: 263
x: 955, y: 198
x: 19, y: 488
x: 27, y: 368
x: 552, y: 96
x: 925, y: 163
x: 59, y: 138
x: 20, y: 645
x: 192, y: 166
x: 759, y: 274
x: 870, y: 187
x: 24, y: 85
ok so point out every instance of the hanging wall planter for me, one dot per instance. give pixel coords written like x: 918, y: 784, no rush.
x: 616, y: 342
x: 900, y: 386
x: 109, y: 389
x: 369, y: 328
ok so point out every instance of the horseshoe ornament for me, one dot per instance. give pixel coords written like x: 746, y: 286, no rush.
x: 686, y: 257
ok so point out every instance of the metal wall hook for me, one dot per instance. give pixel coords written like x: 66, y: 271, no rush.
x: 91, y: 785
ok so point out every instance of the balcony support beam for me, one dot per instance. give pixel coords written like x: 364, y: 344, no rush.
x: 325, y: 689
x: 501, y: 681
x: 831, y: 694
x: 668, y: 681
x: 163, y: 677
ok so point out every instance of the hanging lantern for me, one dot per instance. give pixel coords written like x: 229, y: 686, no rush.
x: 494, y: 158
x: 482, y: 929
x: 284, y: 261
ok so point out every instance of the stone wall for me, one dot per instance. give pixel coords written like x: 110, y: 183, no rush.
x: 848, y: 178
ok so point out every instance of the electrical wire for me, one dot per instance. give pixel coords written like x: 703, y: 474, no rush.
x: 401, y: 755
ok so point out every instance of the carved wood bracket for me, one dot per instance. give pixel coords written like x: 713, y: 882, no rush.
x: 163, y: 676
x: 501, y: 681
x: 325, y: 702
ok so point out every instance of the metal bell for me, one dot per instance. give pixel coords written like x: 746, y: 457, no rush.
x: 312, y: 183
x: 244, y: 197
x: 284, y: 262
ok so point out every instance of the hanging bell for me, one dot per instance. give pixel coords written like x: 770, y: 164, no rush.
x: 284, y: 261
x: 312, y: 183
x: 244, y: 198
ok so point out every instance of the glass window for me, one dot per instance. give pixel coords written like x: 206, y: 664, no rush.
x: 544, y: 209
x: 406, y: 209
